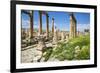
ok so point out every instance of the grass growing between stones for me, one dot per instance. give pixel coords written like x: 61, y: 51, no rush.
x: 75, y: 49
x: 47, y: 53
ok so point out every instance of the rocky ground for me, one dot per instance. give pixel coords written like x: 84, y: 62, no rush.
x: 28, y: 55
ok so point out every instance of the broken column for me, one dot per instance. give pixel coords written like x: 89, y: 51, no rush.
x: 39, y: 50
x: 67, y: 37
x: 62, y: 36
x: 55, y: 37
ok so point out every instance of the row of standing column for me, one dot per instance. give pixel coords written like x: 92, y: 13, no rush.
x: 31, y: 18
x: 40, y: 24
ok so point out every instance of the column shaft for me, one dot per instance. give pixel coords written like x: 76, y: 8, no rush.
x: 40, y: 22
x: 31, y: 24
x: 47, y: 25
x: 52, y: 26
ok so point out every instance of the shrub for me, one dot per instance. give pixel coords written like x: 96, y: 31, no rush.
x: 84, y: 53
x: 66, y: 50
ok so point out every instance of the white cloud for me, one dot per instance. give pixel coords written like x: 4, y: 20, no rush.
x: 26, y: 24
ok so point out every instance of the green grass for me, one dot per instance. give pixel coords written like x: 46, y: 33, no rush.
x: 66, y: 50
x: 47, y: 52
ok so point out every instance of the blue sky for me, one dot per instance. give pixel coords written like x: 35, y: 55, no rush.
x: 61, y: 21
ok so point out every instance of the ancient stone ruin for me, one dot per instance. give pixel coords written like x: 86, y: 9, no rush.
x: 38, y: 41
x: 73, y: 29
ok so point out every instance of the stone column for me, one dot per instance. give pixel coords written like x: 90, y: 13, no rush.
x: 55, y: 37
x: 21, y: 26
x: 62, y: 36
x: 67, y: 37
x: 31, y: 24
x: 52, y: 26
x: 40, y: 22
x: 47, y: 25
x: 73, y: 28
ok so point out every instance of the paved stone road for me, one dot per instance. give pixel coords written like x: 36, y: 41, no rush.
x: 28, y: 55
